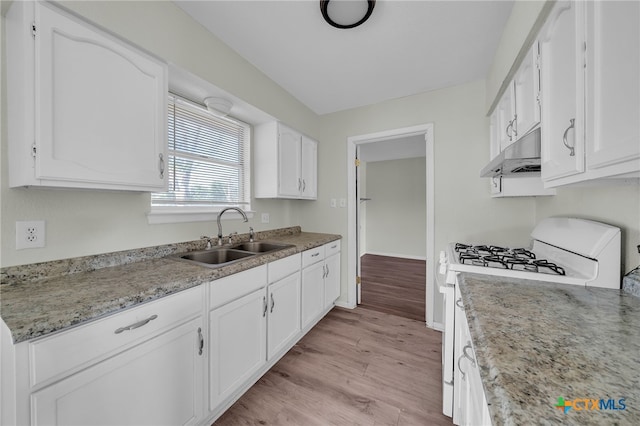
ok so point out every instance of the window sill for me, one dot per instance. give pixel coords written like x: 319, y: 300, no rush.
x: 160, y: 215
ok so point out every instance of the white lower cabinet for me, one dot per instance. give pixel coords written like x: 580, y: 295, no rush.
x: 332, y: 274
x: 469, y: 402
x: 147, y: 370
x: 320, y: 281
x: 156, y: 383
x: 237, y: 342
x: 283, y: 318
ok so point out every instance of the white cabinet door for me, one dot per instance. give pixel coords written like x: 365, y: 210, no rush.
x: 527, y: 93
x: 283, y: 323
x: 156, y: 383
x: 100, y: 108
x: 613, y: 86
x: 289, y: 165
x: 331, y: 279
x: 312, y: 293
x: 237, y: 344
x: 562, y: 82
x: 506, y: 118
x: 309, y: 162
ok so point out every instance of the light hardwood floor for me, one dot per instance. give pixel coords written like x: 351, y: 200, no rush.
x: 356, y: 367
x: 394, y: 285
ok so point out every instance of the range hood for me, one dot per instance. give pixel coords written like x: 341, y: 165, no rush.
x: 521, y: 157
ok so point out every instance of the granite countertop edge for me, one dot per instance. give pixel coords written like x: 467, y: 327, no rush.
x: 38, y: 305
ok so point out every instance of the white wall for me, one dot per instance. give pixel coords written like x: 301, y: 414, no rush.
x: 396, y: 212
x: 90, y: 222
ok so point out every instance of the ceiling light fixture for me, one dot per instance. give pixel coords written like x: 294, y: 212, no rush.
x: 219, y: 107
x: 345, y: 14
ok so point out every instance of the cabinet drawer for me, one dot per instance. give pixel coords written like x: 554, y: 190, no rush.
x: 237, y: 285
x: 283, y: 267
x: 331, y: 248
x: 309, y: 257
x: 84, y: 345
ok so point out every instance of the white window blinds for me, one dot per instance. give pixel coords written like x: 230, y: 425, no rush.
x: 208, y: 159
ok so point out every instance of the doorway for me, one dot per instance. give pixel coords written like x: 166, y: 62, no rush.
x: 380, y: 142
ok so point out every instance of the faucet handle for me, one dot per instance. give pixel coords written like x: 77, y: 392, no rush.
x: 252, y: 234
x: 204, y: 237
x: 231, y: 235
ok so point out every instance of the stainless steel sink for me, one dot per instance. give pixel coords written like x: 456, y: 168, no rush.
x: 214, y: 258
x: 261, y: 246
x: 222, y: 256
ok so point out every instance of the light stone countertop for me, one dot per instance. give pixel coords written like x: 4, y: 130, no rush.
x: 39, y: 299
x: 535, y: 342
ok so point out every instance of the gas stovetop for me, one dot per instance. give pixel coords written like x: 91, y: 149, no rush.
x: 517, y: 259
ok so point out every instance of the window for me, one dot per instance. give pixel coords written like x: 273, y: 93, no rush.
x: 207, y: 162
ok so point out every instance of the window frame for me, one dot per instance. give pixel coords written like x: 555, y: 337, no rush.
x: 159, y: 214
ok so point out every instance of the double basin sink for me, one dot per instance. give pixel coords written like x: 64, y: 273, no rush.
x: 218, y: 257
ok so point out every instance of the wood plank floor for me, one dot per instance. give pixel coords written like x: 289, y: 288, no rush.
x: 394, y: 285
x: 355, y: 367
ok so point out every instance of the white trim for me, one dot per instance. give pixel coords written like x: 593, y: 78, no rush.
x: 352, y: 141
x: 160, y: 215
x: 402, y: 256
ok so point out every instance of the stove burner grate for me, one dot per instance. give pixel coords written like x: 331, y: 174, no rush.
x: 518, y: 259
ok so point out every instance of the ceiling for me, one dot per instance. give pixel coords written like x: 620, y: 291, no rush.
x: 406, y: 47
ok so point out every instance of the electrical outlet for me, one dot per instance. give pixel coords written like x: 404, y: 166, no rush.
x: 265, y: 217
x: 333, y: 203
x: 30, y: 234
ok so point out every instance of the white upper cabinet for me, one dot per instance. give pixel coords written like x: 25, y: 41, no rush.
x: 285, y: 163
x: 591, y: 92
x: 562, y: 82
x: 289, y: 164
x: 88, y: 110
x: 309, y: 172
x: 526, y: 88
x: 613, y: 87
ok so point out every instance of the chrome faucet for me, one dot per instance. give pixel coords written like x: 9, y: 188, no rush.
x: 244, y: 216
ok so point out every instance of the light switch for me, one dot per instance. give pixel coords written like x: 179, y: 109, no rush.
x: 343, y: 202
x: 333, y: 203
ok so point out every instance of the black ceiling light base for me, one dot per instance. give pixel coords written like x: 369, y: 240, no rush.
x: 324, y: 4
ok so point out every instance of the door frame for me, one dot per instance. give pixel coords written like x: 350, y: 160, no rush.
x: 352, y: 141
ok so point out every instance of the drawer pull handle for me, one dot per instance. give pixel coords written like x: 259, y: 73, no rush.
x: 464, y: 352
x: 315, y: 254
x: 334, y: 246
x: 264, y: 306
x: 460, y: 367
x: 572, y: 124
x: 136, y: 325
x: 201, y: 341
x: 273, y: 303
